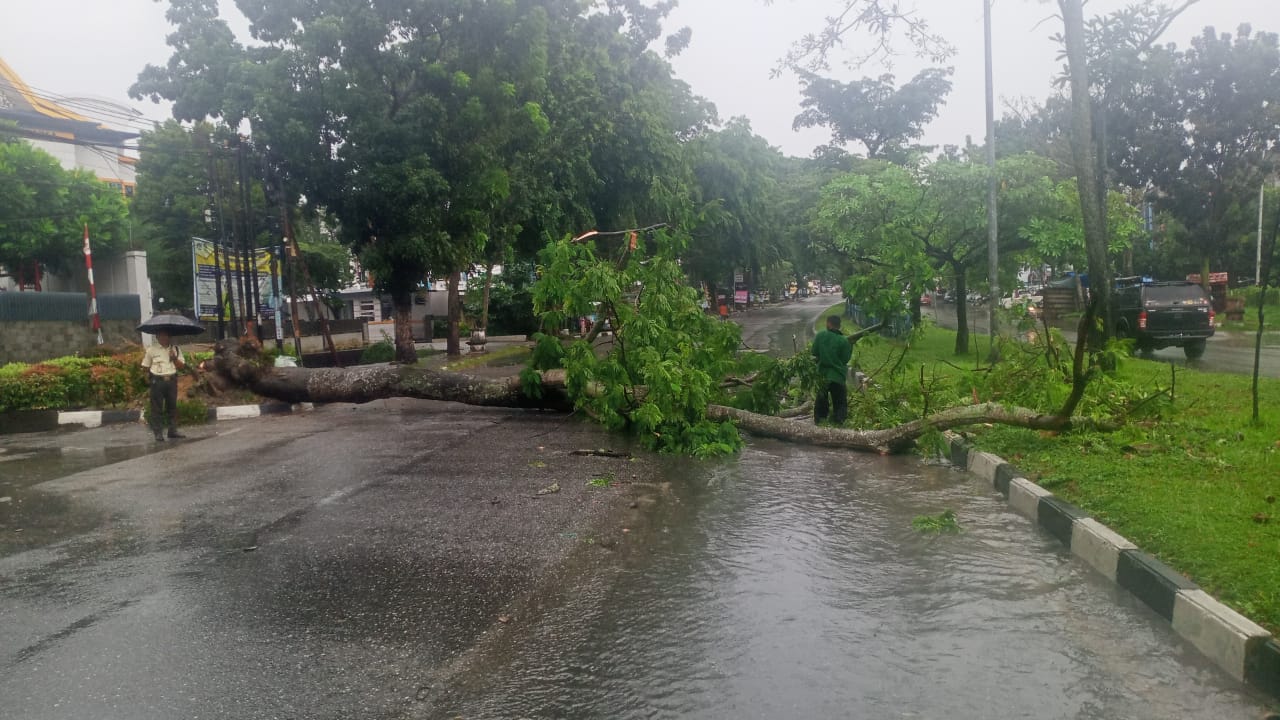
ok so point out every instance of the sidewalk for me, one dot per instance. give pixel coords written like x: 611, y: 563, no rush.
x: 497, y: 342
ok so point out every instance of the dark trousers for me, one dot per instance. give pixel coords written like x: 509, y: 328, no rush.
x: 164, y: 402
x: 832, y: 397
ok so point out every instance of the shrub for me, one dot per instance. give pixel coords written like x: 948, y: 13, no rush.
x: 192, y: 412
x: 72, y: 382
x: 379, y: 352
x: 1251, y: 294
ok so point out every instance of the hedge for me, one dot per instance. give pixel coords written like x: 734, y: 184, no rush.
x: 72, y: 382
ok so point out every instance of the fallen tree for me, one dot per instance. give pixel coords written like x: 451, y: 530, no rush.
x: 240, y: 365
x: 667, y: 373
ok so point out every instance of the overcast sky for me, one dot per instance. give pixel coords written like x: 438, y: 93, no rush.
x: 93, y: 47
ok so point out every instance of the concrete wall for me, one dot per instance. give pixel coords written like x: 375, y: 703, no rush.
x: 32, y: 341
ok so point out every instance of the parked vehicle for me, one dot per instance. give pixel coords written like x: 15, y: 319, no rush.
x: 1157, y: 315
x: 926, y: 299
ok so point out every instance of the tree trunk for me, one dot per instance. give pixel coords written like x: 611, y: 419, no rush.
x: 405, y: 351
x: 895, y: 439
x: 484, y: 303
x: 962, y: 314
x: 1085, y: 159
x: 236, y: 365
x: 453, y: 345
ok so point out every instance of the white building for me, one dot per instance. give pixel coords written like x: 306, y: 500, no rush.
x: 80, y: 140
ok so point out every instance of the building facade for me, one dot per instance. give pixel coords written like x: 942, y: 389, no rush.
x: 80, y: 139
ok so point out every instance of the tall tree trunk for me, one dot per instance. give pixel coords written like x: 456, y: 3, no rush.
x: 1085, y: 159
x: 454, y: 344
x: 405, y: 351
x: 962, y: 312
x: 484, y: 303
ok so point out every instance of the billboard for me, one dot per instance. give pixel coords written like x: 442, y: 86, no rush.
x: 206, y: 273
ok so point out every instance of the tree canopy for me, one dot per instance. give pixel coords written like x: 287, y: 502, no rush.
x: 44, y: 209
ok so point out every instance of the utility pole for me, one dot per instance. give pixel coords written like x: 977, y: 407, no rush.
x: 993, y: 253
x: 217, y: 250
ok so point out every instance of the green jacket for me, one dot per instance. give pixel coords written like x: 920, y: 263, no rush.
x: 833, y: 352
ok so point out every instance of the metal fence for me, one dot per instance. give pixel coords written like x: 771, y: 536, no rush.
x: 66, y: 307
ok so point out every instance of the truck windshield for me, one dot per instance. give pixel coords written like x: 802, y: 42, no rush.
x: 1175, y: 294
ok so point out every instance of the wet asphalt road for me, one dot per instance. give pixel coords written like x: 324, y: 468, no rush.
x: 1227, y: 352
x: 321, y: 565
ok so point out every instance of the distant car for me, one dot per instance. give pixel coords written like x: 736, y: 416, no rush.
x: 1164, y: 314
x: 828, y: 288
x: 1021, y: 296
x: 926, y: 299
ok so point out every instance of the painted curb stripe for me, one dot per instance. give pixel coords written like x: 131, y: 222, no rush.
x: 87, y: 418
x: 1005, y: 473
x: 959, y: 452
x: 26, y: 421
x: 1222, y: 634
x: 238, y: 412
x: 984, y: 465
x: 1059, y: 517
x: 1153, y: 582
x: 1262, y: 667
x: 1024, y: 497
x: 1236, y: 644
x: 1098, y: 545
x: 120, y: 416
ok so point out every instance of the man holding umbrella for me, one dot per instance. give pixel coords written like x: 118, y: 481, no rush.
x: 163, y: 360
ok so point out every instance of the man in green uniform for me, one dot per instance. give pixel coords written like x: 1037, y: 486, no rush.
x: 833, y: 350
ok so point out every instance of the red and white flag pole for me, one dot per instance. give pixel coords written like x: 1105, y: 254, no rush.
x: 93, y: 291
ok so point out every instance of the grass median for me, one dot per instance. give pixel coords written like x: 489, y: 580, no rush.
x: 1197, y: 488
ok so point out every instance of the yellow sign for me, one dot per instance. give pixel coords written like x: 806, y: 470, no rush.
x: 206, y: 274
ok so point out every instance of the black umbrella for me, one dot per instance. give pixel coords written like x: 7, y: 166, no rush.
x: 171, y: 323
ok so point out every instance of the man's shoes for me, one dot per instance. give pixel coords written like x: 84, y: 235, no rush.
x: 174, y: 434
x: 159, y: 436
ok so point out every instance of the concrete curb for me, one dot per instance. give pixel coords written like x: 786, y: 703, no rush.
x: 43, y: 420
x: 1236, y: 644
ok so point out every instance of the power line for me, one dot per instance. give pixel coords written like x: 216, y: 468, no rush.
x: 91, y: 108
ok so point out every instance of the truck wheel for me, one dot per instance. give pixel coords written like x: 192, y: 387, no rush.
x: 1194, y: 349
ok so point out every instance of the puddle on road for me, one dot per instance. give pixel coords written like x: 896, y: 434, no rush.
x: 30, y: 517
x: 790, y: 583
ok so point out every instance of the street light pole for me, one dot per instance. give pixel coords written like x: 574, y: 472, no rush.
x: 993, y: 257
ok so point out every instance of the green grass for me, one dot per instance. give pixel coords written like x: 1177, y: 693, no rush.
x: 821, y: 323
x: 1197, y: 487
x: 513, y: 355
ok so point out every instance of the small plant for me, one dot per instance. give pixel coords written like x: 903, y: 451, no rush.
x: 379, y: 352
x: 937, y: 524
x: 601, y: 482
x: 192, y: 412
